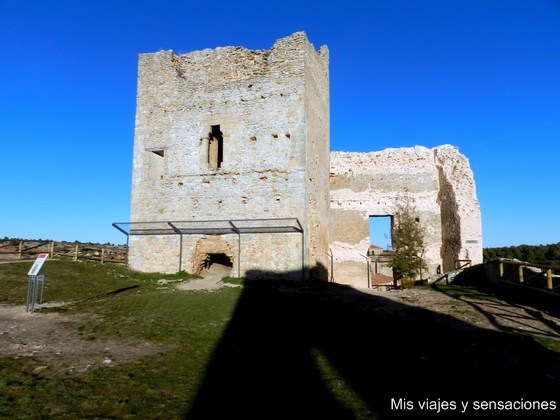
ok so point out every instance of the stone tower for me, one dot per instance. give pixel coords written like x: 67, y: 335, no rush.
x: 232, y: 133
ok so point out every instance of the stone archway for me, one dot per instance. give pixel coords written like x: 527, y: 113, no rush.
x: 213, y: 248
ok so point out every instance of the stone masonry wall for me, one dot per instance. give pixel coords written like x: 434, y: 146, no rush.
x: 266, y: 103
x: 318, y: 154
x: 461, y: 218
x: 438, y: 183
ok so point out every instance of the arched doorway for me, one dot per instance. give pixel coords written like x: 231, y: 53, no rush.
x: 214, y: 250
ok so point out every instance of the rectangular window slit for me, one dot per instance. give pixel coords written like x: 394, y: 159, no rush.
x: 215, y: 148
x: 157, y: 163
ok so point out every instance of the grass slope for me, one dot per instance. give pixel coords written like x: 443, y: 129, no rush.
x: 267, y: 350
x: 191, y: 323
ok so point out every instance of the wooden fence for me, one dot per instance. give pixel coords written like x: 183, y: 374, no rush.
x: 521, y: 273
x: 19, y: 250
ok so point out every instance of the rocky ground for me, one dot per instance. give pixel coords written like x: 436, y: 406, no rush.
x: 479, y: 309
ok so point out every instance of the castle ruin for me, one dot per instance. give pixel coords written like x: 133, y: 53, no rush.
x: 232, y: 133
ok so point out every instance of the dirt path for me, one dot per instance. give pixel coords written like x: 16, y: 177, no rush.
x: 482, y: 311
x: 53, y: 340
x: 211, y: 279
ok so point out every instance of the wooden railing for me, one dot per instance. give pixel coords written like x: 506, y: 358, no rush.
x: 527, y: 274
x: 16, y: 250
x: 460, y: 264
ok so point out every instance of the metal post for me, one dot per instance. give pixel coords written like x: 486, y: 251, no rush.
x: 302, y: 256
x: 180, y: 251
x: 127, y: 250
x: 178, y: 232
x: 29, y: 292
x: 19, y: 250
x: 116, y: 226
x: 239, y: 255
x: 76, y: 253
x: 236, y: 230
x: 42, y: 278
x: 34, y: 298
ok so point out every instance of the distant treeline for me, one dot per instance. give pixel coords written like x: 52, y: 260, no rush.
x: 538, y: 254
x: 6, y: 239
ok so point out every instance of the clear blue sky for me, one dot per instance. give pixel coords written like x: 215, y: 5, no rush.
x: 482, y: 75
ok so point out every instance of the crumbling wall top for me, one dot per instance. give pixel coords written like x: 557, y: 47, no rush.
x: 235, y: 63
x: 297, y: 38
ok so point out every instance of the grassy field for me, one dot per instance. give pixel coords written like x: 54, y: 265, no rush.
x: 191, y: 323
x: 266, y: 350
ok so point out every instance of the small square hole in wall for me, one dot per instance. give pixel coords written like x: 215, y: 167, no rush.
x: 157, y: 163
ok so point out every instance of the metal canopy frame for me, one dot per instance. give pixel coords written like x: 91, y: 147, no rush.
x: 216, y: 227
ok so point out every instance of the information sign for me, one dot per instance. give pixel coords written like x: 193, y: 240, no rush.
x: 37, y: 264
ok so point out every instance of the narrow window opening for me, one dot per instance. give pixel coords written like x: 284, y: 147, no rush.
x: 215, y: 148
x: 157, y: 164
x: 380, y: 232
x: 380, y: 250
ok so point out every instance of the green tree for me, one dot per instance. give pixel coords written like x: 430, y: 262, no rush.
x: 541, y: 254
x: 408, y: 242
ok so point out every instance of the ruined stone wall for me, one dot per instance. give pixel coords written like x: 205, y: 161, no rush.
x: 318, y: 154
x: 438, y: 183
x: 461, y: 219
x: 272, y: 107
x: 260, y: 99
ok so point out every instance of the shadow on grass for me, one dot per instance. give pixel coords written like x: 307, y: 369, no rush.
x: 122, y: 289
x: 324, y: 350
x: 108, y: 294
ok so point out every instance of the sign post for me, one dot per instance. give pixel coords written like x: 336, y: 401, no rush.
x: 33, y: 281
